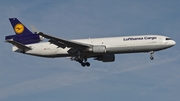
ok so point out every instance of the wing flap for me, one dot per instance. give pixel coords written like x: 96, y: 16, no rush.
x: 19, y: 45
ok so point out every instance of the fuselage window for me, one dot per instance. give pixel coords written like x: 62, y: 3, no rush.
x: 168, y: 39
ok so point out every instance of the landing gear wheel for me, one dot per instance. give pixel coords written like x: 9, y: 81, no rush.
x: 87, y: 64
x: 152, y: 58
x: 83, y: 64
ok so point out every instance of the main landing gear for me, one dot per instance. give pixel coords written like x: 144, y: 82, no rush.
x: 85, y: 64
x: 82, y: 61
x: 151, y: 55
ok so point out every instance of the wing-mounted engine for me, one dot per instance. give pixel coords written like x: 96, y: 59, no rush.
x: 106, y: 58
x: 98, y: 49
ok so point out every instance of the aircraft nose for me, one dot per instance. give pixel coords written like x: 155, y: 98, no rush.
x: 173, y: 42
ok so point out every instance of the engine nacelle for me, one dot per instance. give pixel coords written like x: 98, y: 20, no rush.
x: 106, y: 58
x: 41, y: 38
x: 98, y: 49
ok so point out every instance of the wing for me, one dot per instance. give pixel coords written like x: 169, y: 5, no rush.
x: 65, y: 43
x: 19, y: 45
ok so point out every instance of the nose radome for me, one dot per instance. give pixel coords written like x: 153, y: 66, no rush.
x: 173, y: 42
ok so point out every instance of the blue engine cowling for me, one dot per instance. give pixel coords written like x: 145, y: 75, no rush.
x: 25, y: 39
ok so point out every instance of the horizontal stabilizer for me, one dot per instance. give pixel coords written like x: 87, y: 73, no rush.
x: 19, y: 45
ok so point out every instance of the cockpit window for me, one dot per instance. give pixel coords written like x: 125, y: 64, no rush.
x: 168, y: 39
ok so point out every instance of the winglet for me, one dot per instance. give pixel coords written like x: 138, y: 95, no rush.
x: 34, y: 29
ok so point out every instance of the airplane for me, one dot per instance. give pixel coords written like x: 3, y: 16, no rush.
x: 80, y: 50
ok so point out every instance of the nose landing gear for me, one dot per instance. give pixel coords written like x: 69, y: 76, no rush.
x: 151, y: 55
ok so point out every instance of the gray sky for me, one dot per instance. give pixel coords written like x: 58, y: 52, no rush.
x: 132, y: 77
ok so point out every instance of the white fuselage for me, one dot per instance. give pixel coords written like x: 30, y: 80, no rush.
x: 114, y: 45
